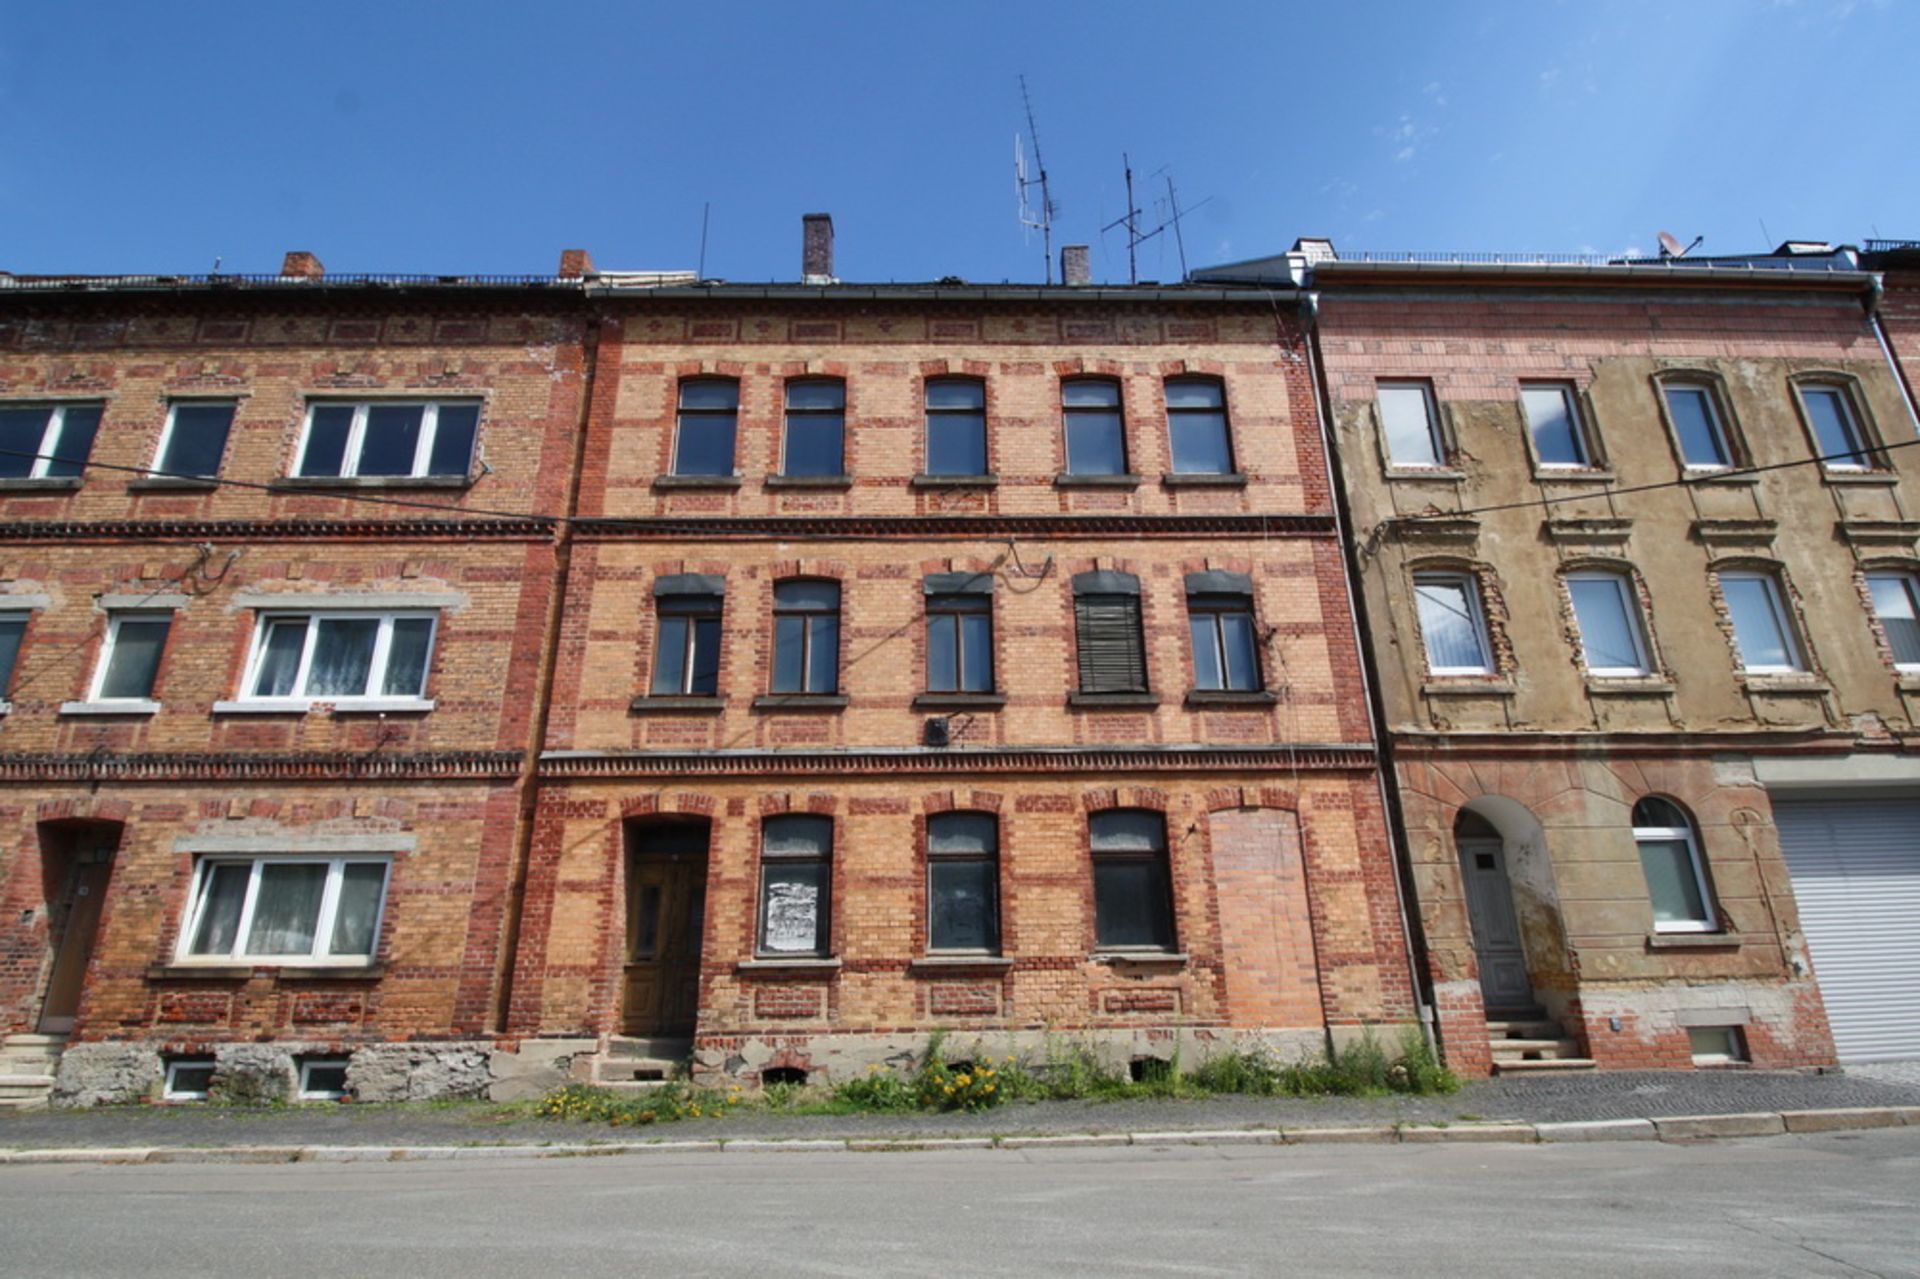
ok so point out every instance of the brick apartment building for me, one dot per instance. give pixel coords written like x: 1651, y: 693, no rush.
x: 959, y: 657
x: 269, y: 710
x: 512, y: 680
x: 1646, y: 667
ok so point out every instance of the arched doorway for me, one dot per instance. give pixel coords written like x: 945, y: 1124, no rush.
x: 1499, y: 947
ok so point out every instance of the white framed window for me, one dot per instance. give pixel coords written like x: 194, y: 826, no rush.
x: 187, y: 1079
x: 322, y: 1079
x: 195, y: 437
x: 1837, y: 434
x: 130, y: 657
x: 46, y: 441
x: 1896, y: 606
x: 1762, y: 630
x: 1694, y: 412
x: 1410, y: 421
x: 388, y: 438
x: 1716, y: 1045
x: 1612, y: 637
x: 1676, y: 877
x: 340, y: 656
x: 285, y: 909
x: 1452, y: 626
x: 1554, y: 424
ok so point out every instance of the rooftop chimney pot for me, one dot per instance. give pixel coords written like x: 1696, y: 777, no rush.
x: 576, y: 264
x: 1073, y: 265
x: 301, y: 265
x: 816, y: 248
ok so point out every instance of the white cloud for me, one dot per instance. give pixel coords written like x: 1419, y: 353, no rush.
x: 1403, y: 155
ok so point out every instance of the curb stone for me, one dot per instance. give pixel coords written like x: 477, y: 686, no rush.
x: 1670, y: 1128
x: 1599, y: 1130
x: 1422, y: 1134
x: 1685, y: 1127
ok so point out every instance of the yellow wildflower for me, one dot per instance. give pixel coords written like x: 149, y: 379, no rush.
x: 963, y: 1080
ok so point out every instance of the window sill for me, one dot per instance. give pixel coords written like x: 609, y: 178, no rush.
x: 1693, y: 941
x: 200, y: 972
x: 803, y: 702
x: 302, y: 482
x: 808, y: 481
x: 959, y: 701
x: 662, y: 482
x: 1200, y: 480
x: 985, y: 480
x: 1628, y: 686
x: 1202, y: 697
x: 1142, y: 958
x: 1443, y: 474
x: 951, y: 963
x: 1098, y: 701
x: 130, y: 707
x: 810, y: 964
x: 325, y: 972
x: 1067, y: 481
x: 1467, y: 686
x: 1874, y: 476
x: 307, y: 705
x: 1907, y: 681
x: 1803, y: 683
x: 173, y: 484
x: 677, y: 705
x: 1573, y: 475
x: 45, y: 484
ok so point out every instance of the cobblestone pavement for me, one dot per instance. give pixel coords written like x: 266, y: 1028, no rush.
x: 1535, y: 1099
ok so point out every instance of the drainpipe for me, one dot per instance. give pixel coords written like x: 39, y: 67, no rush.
x: 1412, y: 933
x: 1872, y: 304
x: 528, y: 781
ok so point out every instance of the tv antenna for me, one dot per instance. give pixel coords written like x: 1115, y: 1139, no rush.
x: 1131, y: 220
x: 1034, y: 218
x: 1670, y: 246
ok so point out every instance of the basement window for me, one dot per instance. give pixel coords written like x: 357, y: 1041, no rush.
x: 1716, y: 1045
x: 323, y: 1079
x: 188, y: 1079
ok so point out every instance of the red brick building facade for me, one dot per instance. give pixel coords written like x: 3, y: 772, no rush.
x: 295, y: 675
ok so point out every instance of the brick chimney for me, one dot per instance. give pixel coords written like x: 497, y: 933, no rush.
x: 301, y: 265
x: 576, y: 264
x: 1073, y: 265
x: 816, y: 248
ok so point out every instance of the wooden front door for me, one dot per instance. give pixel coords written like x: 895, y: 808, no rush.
x: 666, y: 917
x: 1504, y: 983
x: 84, y: 892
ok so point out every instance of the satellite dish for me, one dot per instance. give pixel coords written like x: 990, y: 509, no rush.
x: 1670, y: 246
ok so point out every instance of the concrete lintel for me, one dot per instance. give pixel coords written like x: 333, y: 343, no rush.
x: 294, y: 601
x: 283, y: 841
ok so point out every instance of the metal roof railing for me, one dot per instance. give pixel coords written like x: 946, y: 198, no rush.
x: 86, y: 283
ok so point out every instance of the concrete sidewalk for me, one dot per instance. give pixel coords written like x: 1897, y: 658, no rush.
x: 1611, y: 1106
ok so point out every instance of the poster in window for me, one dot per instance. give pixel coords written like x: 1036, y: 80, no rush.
x: 793, y: 913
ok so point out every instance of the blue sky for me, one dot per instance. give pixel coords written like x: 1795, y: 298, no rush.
x: 486, y: 137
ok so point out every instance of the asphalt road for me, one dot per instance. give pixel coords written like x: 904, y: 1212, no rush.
x: 1839, y: 1204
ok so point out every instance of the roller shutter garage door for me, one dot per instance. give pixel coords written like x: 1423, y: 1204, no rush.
x: 1856, y: 872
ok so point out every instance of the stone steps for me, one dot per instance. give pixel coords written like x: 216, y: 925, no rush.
x: 28, y: 1063
x: 628, y: 1063
x: 1532, y: 1043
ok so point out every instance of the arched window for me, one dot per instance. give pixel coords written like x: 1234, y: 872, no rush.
x: 1676, y: 875
x: 1096, y: 431
x: 956, y: 427
x: 963, y: 873
x: 816, y: 429
x: 1197, y: 426
x: 703, y: 438
x: 796, y: 880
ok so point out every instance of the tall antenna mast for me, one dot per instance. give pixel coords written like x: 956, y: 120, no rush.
x: 1173, y: 202
x: 1040, y: 219
x: 1131, y: 220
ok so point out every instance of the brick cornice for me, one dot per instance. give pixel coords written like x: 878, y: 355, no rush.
x: 19, y: 766
x: 1428, y: 746
x: 451, y: 530
x: 1307, y: 757
x: 908, y: 527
